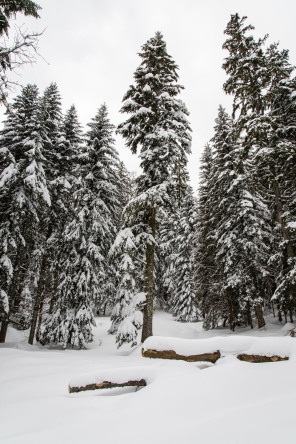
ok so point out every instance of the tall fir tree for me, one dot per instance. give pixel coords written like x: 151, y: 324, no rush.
x: 210, y: 303
x: 51, y: 223
x: 24, y: 198
x: 263, y: 94
x: 159, y: 130
x: 243, y: 231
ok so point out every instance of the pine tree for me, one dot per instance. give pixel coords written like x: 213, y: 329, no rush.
x: 263, y: 89
x: 127, y: 317
x: 243, y: 231
x: 84, y: 274
x: 184, y: 304
x: 71, y: 127
x: 280, y: 158
x: 24, y: 196
x: 51, y: 223
x: 167, y: 233
x: 159, y: 129
x: 105, y: 167
x: 207, y: 280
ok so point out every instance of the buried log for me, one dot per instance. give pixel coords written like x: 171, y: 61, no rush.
x: 261, y: 358
x: 171, y: 354
x: 108, y: 384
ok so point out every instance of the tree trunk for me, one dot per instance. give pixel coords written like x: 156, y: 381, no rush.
x: 149, y: 281
x: 231, y: 321
x: 3, y: 331
x: 249, y: 316
x: 39, y: 300
x: 273, y: 311
x: 259, y: 315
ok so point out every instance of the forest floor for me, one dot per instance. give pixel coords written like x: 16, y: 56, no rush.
x: 230, y: 402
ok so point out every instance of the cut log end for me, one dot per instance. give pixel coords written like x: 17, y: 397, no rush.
x: 171, y: 354
x: 107, y: 384
x: 261, y: 358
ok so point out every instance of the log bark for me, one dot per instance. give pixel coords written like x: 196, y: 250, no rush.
x: 171, y: 354
x: 107, y: 384
x: 261, y: 358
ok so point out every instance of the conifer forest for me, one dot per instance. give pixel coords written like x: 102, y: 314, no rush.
x: 86, y: 243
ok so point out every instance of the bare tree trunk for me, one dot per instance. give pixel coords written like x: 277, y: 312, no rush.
x: 259, y: 315
x: 3, y: 331
x: 39, y: 300
x: 280, y: 315
x: 273, y: 311
x: 231, y: 321
x: 249, y: 316
x: 149, y: 281
x: 39, y: 321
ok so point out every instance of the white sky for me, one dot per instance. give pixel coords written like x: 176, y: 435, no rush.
x: 91, y: 47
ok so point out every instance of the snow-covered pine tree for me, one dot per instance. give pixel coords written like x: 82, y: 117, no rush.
x: 126, y: 190
x: 263, y: 89
x: 51, y: 223
x: 105, y: 166
x: 24, y: 198
x: 71, y: 127
x: 207, y: 280
x: 280, y: 157
x: 85, y: 277
x: 159, y: 130
x: 243, y: 230
x: 183, y: 299
x: 166, y: 235
x: 69, y: 147
x: 127, y: 317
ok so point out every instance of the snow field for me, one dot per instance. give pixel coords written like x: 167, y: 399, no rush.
x: 230, y: 402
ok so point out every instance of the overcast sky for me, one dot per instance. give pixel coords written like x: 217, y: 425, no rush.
x: 91, y: 48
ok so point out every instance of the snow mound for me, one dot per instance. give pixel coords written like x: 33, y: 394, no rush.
x: 118, y: 375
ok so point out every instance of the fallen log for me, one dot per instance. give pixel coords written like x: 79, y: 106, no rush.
x: 171, y: 354
x: 261, y: 358
x: 107, y: 384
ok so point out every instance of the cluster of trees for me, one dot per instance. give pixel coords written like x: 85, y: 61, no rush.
x: 246, y: 232
x: 66, y: 199
x: 59, y: 215
x: 79, y: 235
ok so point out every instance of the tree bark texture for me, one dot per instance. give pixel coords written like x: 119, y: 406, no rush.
x: 171, y: 354
x: 259, y: 315
x: 261, y: 358
x: 149, y: 280
x: 3, y: 331
x: 39, y: 299
x: 108, y: 384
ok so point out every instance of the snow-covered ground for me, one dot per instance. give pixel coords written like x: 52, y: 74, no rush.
x: 230, y: 402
